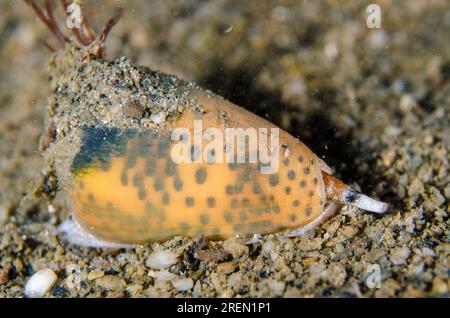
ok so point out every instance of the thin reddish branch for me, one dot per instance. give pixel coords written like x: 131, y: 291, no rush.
x: 48, y: 46
x: 52, y: 21
x: 106, y: 29
x: 84, y: 35
x: 48, y: 20
x: 88, y: 31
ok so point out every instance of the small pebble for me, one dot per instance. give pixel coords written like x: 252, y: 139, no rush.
x: 309, y: 261
x: 440, y: 287
x: 4, y: 274
x: 277, y: 287
x: 436, y: 196
x: 315, y: 269
x: 133, y: 110
x: 95, y: 275
x: 183, y: 284
x: 227, y: 267
x: 161, y: 259
x: 40, y: 283
x: 400, y: 255
x: 3, y: 214
x: 116, y: 294
x: 111, y: 282
x: 164, y: 276
x: 350, y: 231
x: 158, y: 117
x: 235, y: 248
x: 162, y: 279
x: 134, y: 290
x: 268, y: 247
x: 211, y: 255
x: 447, y: 191
x: 377, y: 39
x: 415, y: 188
x: 427, y: 252
x: 407, y: 103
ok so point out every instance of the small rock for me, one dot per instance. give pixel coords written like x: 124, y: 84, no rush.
x: 388, y: 288
x: 227, y: 267
x: 3, y: 214
x: 377, y: 39
x: 162, y: 279
x: 161, y: 259
x: 4, y: 274
x: 40, y: 283
x: 331, y: 50
x: 392, y: 131
x: 447, y: 191
x: 212, y: 255
x: 336, y: 274
x: 116, y: 294
x: 388, y: 157
x: 412, y: 293
x: 277, y: 287
x: 235, y: 281
x: 309, y: 261
x: 95, y: 275
x: 400, y: 255
x: 268, y: 247
x: 197, y: 291
x: 164, y: 276
x: 426, y: 251
x: 309, y: 245
x: 158, y: 117
x: 407, y: 103
x: 111, y: 282
x: 316, y: 269
x: 350, y: 231
x: 197, y: 274
x: 133, y: 110
x: 294, y: 88
x: 183, y: 284
x: 235, y: 248
x: 436, y: 196
x: 415, y: 188
x: 440, y: 287
x: 134, y: 290
x: 416, y: 269
x: 60, y: 291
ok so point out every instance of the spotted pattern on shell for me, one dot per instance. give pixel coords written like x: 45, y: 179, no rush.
x: 133, y: 195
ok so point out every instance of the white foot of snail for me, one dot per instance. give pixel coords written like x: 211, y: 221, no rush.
x: 75, y: 234
x: 328, y: 212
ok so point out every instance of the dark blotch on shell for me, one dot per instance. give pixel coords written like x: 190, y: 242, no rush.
x: 200, y: 175
x: 100, y: 144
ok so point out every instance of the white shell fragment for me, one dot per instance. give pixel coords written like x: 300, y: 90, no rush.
x: 158, y: 117
x: 400, y: 255
x: 161, y: 259
x: 183, y: 284
x: 163, y: 279
x: 40, y: 283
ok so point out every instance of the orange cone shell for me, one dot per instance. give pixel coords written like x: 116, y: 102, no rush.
x: 127, y: 188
